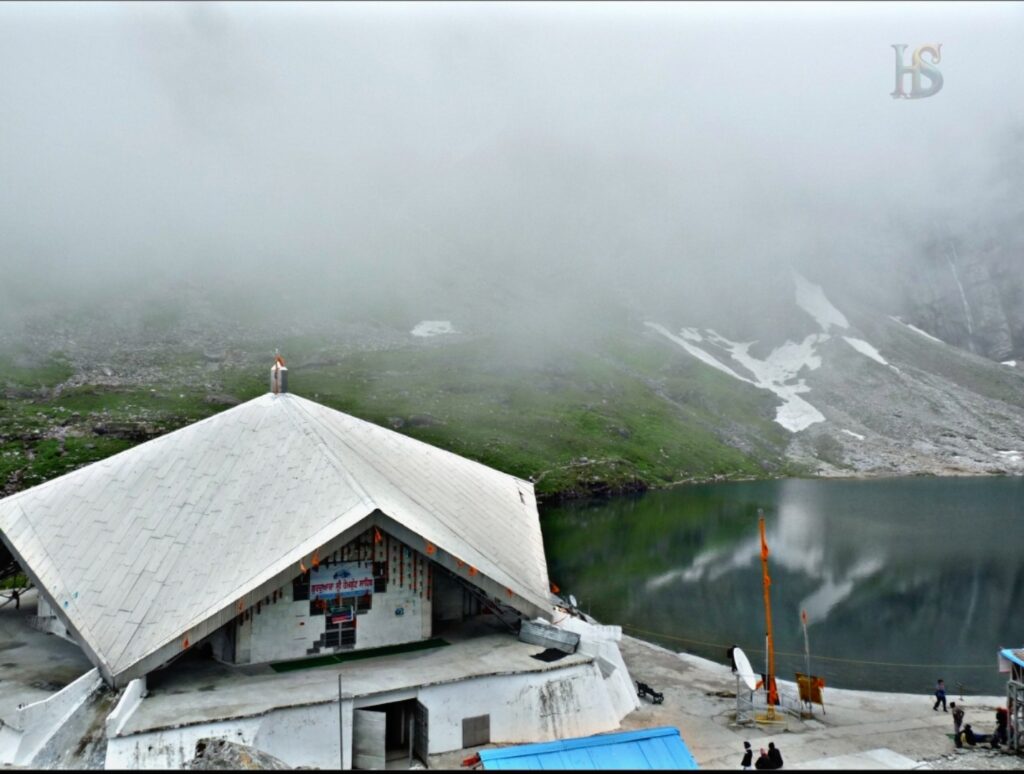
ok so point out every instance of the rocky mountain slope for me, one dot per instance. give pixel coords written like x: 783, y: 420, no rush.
x: 865, y: 393
x: 970, y: 295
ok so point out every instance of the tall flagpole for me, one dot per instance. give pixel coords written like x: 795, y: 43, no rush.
x: 807, y: 644
x: 770, y: 684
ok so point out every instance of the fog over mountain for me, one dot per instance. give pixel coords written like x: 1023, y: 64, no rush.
x: 602, y: 246
x: 528, y: 165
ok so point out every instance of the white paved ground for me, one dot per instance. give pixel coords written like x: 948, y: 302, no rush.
x: 862, y: 729
x: 33, y: 664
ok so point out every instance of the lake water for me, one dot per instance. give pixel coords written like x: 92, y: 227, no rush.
x: 903, y: 580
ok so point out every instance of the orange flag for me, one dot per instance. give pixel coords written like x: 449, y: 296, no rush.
x: 472, y: 570
x: 377, y: 538
x: 554, y: 589
x: 431, y: 549
x: 316, y: 559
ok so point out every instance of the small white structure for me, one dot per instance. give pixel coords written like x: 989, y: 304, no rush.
x: 283, y: 530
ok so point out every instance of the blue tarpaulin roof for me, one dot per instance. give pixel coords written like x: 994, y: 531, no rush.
x: 1014, y: 655
x: 653, y: 748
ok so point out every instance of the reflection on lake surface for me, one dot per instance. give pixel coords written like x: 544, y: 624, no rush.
x: 924, y: 572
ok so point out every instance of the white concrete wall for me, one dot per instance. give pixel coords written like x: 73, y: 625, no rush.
x: 47, y: 621
x: 173, y: 748
x: 531, y: 707
x: 281, y: 631
x: 284, y: 629
x: 603, y: 642
x: 381, y: 626
x: 299, y: 736
x: 33, y: 725
x: 133, y: 695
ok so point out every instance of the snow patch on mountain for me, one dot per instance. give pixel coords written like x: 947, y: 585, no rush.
x: 432, y: 328
x: 777, y: 373
x: 1010, y: 363
x: 915, y: 329
x: 811, y: 298
x: 858, y: 436
x: 694, y: 350
x: 691, y: 334
x: 866, y: 349
x: 780, y: 371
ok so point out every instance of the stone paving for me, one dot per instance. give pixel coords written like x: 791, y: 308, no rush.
x: 861, y: 729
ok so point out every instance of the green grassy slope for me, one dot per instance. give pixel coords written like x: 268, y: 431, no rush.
x: 625, y: 415
x: 628, y: 416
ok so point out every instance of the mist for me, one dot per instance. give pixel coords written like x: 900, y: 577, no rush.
x: 532, y: 165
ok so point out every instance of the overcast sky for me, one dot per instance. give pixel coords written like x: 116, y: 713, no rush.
x: 421, y: 147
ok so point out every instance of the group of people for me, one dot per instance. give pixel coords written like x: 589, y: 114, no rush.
x: 769, y: 759
x: 962, y: 732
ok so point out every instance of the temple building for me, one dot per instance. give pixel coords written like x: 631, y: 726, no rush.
x: 324, y: 589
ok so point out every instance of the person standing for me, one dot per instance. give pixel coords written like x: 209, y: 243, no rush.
x: 748, y: 756
x: 774, y: 756
x: 940, y: 696
x: 958, y: 720
x: 1001, y: 735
